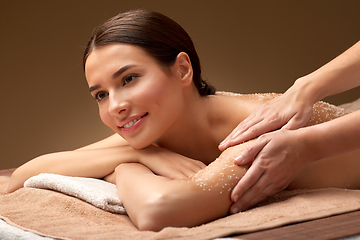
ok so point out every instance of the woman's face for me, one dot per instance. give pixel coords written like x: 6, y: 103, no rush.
x: 137, y: 98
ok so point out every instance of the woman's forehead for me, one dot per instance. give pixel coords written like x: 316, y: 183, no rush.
x: 107, y: 61
x: 116, y: 54
x: 119, y: 51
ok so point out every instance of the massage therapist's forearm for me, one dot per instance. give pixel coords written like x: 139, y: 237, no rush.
x: 332, y: 138
x: 339, y: 75
x: 96, y: 163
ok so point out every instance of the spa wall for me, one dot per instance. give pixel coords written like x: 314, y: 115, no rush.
x: 245, y: 47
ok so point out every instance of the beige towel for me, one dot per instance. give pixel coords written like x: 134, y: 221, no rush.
x: 99, y: 193
x: 60, y: 216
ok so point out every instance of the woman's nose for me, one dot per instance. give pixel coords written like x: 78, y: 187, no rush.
x: 118, y: 105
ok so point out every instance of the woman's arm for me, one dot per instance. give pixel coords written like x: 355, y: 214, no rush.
x: 96, y: 163
x: 95, y: 160
x: 154, y: 202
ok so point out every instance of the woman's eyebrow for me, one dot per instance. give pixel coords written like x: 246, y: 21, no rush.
x: 93, y: 88
x: 121, y: 70
x: 115, y: 75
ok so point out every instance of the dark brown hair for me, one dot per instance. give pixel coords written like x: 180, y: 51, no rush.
x: 161, y: 37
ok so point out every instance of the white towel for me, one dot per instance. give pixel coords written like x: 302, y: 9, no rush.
x: 97, y: 192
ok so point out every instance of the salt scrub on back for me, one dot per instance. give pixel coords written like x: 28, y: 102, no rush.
x: 326, y: 112
x: 222, y: 174
x: 321, y: 110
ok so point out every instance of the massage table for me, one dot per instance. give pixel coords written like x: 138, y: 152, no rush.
x: 346, y: 225
x: 337, y: 225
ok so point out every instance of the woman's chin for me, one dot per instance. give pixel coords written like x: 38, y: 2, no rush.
x: 138, y: 145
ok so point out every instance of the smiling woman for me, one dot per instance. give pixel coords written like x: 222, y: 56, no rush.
x: 133, y: 89
x: 144, y: 73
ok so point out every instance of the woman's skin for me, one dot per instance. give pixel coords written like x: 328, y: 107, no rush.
x: 154, y: 202
x: 166, y: 133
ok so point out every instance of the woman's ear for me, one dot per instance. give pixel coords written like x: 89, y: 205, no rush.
x: 184, y: 68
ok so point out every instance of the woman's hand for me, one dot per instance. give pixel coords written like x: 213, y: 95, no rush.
x: 167, y: 163
x: 275, y: 164
x: 278, y: 158
x: 288, y: 111
x: 163, y: 162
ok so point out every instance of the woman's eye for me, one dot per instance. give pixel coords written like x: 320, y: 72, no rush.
x: 129, y: 79
x: 101, y: 95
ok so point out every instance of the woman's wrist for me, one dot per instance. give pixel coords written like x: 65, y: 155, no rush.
x: 311, y: 142
x: 306, y: 89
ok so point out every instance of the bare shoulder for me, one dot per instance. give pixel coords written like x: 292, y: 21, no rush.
x: 323, y: 112
x: 229, y: 109
x: 260, y: 97
x: 247, y: 101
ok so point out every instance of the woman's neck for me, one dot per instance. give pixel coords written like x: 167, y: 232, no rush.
x: 198, y: 132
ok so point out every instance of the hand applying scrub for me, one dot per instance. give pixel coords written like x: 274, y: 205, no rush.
x: 277, y: 157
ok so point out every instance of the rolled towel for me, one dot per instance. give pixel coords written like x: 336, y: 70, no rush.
x: 99, y: 193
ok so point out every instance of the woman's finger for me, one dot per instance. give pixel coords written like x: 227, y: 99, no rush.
x: 260, y: 128
x: 260, y: 190
x: 239, y: 130
x: 252, y: 175
x: 297, y: 121
x: 246, y: 196
x: 257, y: 198
x: 271, y: 123
x: 251, y: 151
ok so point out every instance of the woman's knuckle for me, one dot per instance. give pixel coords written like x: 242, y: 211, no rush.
x: 253, y: 130
x: 262, y: 162
x: 262, y: 137
x: 256, y: 190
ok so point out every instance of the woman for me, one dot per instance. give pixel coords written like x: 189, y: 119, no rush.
x: 143, y: 70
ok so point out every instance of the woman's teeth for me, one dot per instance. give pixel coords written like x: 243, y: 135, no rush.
x: 131, y: 123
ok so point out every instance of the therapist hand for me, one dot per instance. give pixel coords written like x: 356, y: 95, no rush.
x: 279, y: 157
x: 291, y: 110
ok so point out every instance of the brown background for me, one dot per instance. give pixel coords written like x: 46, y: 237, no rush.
x: 245, y: 46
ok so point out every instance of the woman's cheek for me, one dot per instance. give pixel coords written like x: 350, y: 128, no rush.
x: 150, y: 96
x: 105, y: 118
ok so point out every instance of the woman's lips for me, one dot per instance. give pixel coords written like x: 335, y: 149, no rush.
x: 133, y: 124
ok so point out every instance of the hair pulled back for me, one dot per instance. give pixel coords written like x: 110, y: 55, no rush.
x: 161, y: 37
